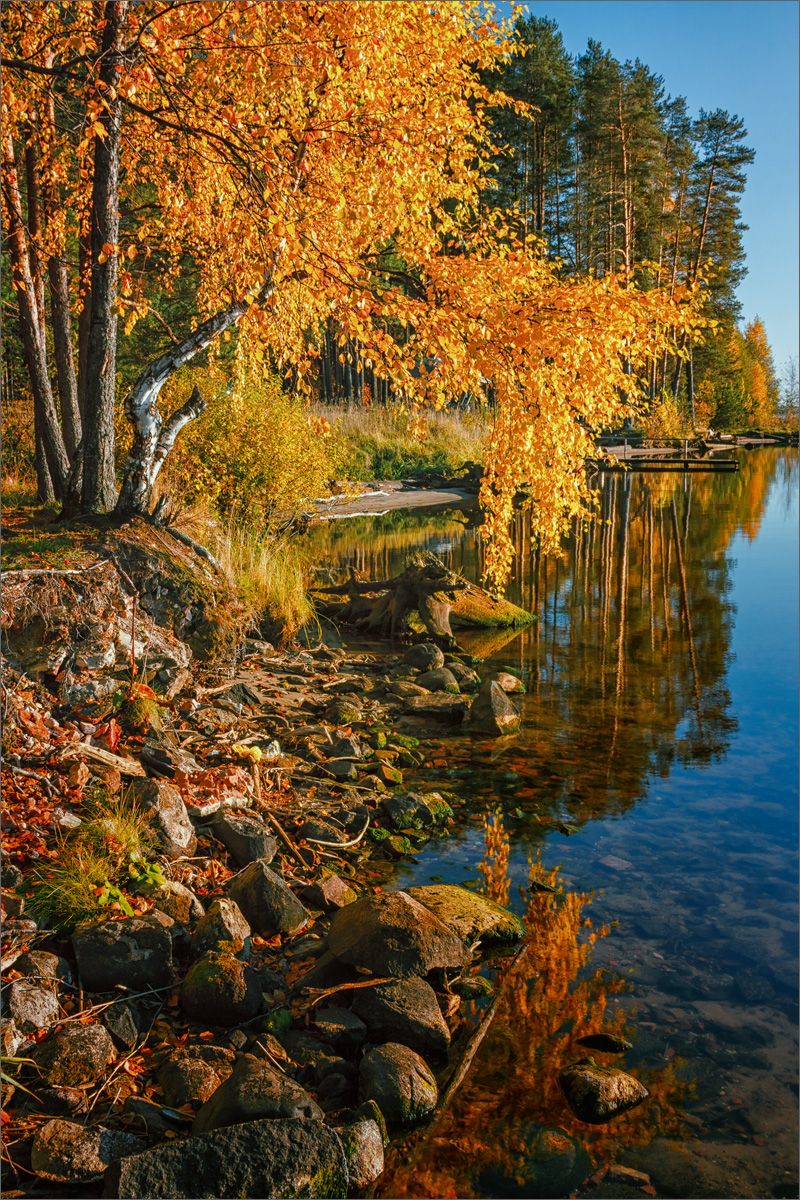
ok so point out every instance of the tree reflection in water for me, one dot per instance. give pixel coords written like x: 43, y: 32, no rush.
x: 548, y: 998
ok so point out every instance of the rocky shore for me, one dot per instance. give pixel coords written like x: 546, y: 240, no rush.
x: 252, y: 966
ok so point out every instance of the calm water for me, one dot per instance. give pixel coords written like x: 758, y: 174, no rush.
x: 657, y: 767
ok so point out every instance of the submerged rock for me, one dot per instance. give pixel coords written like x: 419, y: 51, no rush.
x: 393, y: 934
x: 492, y: 711
x: 597, y: 1094
x: 609, y: 1043
x: 400, y: 1082
x: 552, y: 1164
x: 259, y: 1158
x: 472, y: 916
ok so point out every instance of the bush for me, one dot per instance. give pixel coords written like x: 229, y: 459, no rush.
x: 391, y: 443
x: 257, y: 455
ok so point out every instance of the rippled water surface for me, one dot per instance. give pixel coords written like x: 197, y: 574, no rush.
x: 657, y: 766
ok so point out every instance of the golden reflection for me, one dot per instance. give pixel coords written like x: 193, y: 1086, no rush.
x: 548, y: 998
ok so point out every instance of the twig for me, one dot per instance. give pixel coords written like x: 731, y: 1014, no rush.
x: 274, y: 821
x: 48, y: 787
x: 346, y: 987
x: 54, y: 571
x: 125, y: 766
x: 340, y: 845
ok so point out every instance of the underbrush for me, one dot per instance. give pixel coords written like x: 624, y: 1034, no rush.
x: 389, y: 442
x: 97, y: 868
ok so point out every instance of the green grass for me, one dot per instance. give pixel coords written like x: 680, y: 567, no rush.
x: 269, y: 572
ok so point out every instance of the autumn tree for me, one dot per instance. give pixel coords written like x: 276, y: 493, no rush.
x: 311, y: 166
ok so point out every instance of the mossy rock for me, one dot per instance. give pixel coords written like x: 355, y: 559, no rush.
x: 220, y: 989
x: 472, y: 916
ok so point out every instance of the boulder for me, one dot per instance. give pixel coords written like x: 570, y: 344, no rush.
x: 260, y: 1158
x: 164, y: 802
x: 223, y: 923
x: 439, y: 680
x: 41, y: 964
x: 343, y: 711
x: 597, y: 1094
x: 76, y: 1054
x: 123, y: 1023
x: 267, y: 903
x: 31, y: 1006
x: 342, y: 769
x: 415, y: 810
x: 64, y: 1151
x: 393, y: 934
x: 187, y: 1080
x: 245, y: 836
x: 342, y: 1028
x: 400, y: 1082
x: 424, y: 656
x: 472, y: 916
x: 255, y: 1090
x: 363, y: 1148
x: 178, y: 902
x: 467, y: 679
x: 329, y: 893
x: 135, y: 952
x: 441, y: 705
x: 492, y: 711
x: 508, y: 682
x: 220, y: 989
x: 406, y: 1010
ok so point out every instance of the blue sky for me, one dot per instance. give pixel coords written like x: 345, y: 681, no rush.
x: 740, y: 55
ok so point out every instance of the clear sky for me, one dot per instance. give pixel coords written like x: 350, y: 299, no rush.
x: 740, y: 55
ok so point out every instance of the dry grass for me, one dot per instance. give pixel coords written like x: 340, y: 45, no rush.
x: 391, y: 443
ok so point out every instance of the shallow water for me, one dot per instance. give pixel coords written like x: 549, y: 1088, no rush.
x: 657, y: 765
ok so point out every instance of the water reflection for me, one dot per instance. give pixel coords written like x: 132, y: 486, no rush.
x: 509, y: 1131
x: 657, y: 761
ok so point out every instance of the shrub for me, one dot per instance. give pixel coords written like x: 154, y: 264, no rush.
x: 389, y: 442
x: 257, y: 455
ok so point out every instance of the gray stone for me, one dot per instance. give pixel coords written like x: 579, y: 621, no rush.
x: 135, y: 952
x: 472, y: 916
x: 31, y: 1006
x: 393, y: 934
x: 441, y: 705
x: 187, y: 1080
x: 245, y: 836
x: 329, y: 893
x: 123, y: 1023
x: 260, y: 1158
x: 76, y: 1054
x: 363, y: 1147
x: 41, y: 964
x: 175, y: 830
x: 467, y: 679
x: 343, y: 711
x: 342, y: 768
x: 400, y: 1082
x: 64, y: 1151
x: 220, y: 989
x: 425, y: 656
x: 267, y: 903
x: 345, y: 747
x: 178, y: 902
x: 440, y: 680
x: 342, y: 1028
x: 314, y: 828
x: 255, y: 1090
x: 405, y: 1010
x: 492, y: 711
x: 416, y: 810
x: 223, y: 923
x: 596, y: 1094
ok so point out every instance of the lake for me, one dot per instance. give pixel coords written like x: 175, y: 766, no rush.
x: 657, y: 769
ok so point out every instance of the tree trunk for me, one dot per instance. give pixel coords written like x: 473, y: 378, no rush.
x: 51, y: 458
x: 99, y: 488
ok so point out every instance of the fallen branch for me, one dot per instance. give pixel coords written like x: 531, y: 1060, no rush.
x: 322, y: 993
x: 201, y: 551
x: 340, y: 845
x: 45, y: 782
x: 125, y: 766
x: 57, y: 571
x: 274, y: 821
